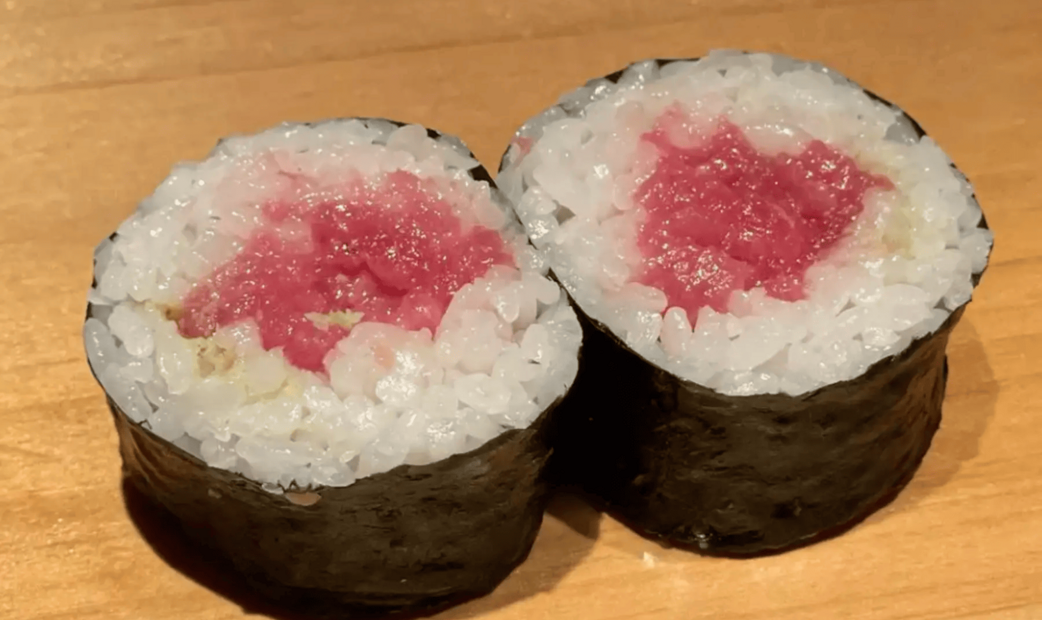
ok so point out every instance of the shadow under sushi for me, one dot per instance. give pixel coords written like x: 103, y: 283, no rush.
x: 570, y: 528
x: 163, y: 533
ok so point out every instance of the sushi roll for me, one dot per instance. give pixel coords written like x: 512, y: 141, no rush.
x: 331, y: 353
x: 767, y: 261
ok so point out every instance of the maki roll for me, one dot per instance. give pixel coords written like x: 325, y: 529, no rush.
x: 767, y: 261
x: 332, y: 354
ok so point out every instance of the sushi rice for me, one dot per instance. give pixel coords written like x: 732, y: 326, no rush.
x: 901, y: 269
x: 505, y: 349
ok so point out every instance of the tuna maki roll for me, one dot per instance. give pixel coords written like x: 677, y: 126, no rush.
x: 767, y: 261
x: 332, y: 354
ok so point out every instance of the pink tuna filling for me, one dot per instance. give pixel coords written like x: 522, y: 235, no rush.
x: 722, y: 217
x: 397, y: 265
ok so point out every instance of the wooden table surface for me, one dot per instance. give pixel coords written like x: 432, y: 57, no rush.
x: 98, y: 98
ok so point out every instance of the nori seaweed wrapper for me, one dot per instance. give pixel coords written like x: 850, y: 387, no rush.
x: 412, y: 538
x: 746, y: 475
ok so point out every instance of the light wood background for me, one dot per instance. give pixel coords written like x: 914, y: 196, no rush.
x: 98, y: 98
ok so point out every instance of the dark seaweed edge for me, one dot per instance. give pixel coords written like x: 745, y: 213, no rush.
x: 738, y: 553
x: 316, y: 600
x: 321, y: 603
x: 610, y: 497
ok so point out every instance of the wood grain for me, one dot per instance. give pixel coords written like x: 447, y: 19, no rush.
x: 98, y: 98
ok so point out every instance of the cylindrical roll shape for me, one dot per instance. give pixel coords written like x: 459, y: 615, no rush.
x: 690, y: 429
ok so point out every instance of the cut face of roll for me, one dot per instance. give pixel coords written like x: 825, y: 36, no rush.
x: 768, y: 261
x: 337, y: 337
